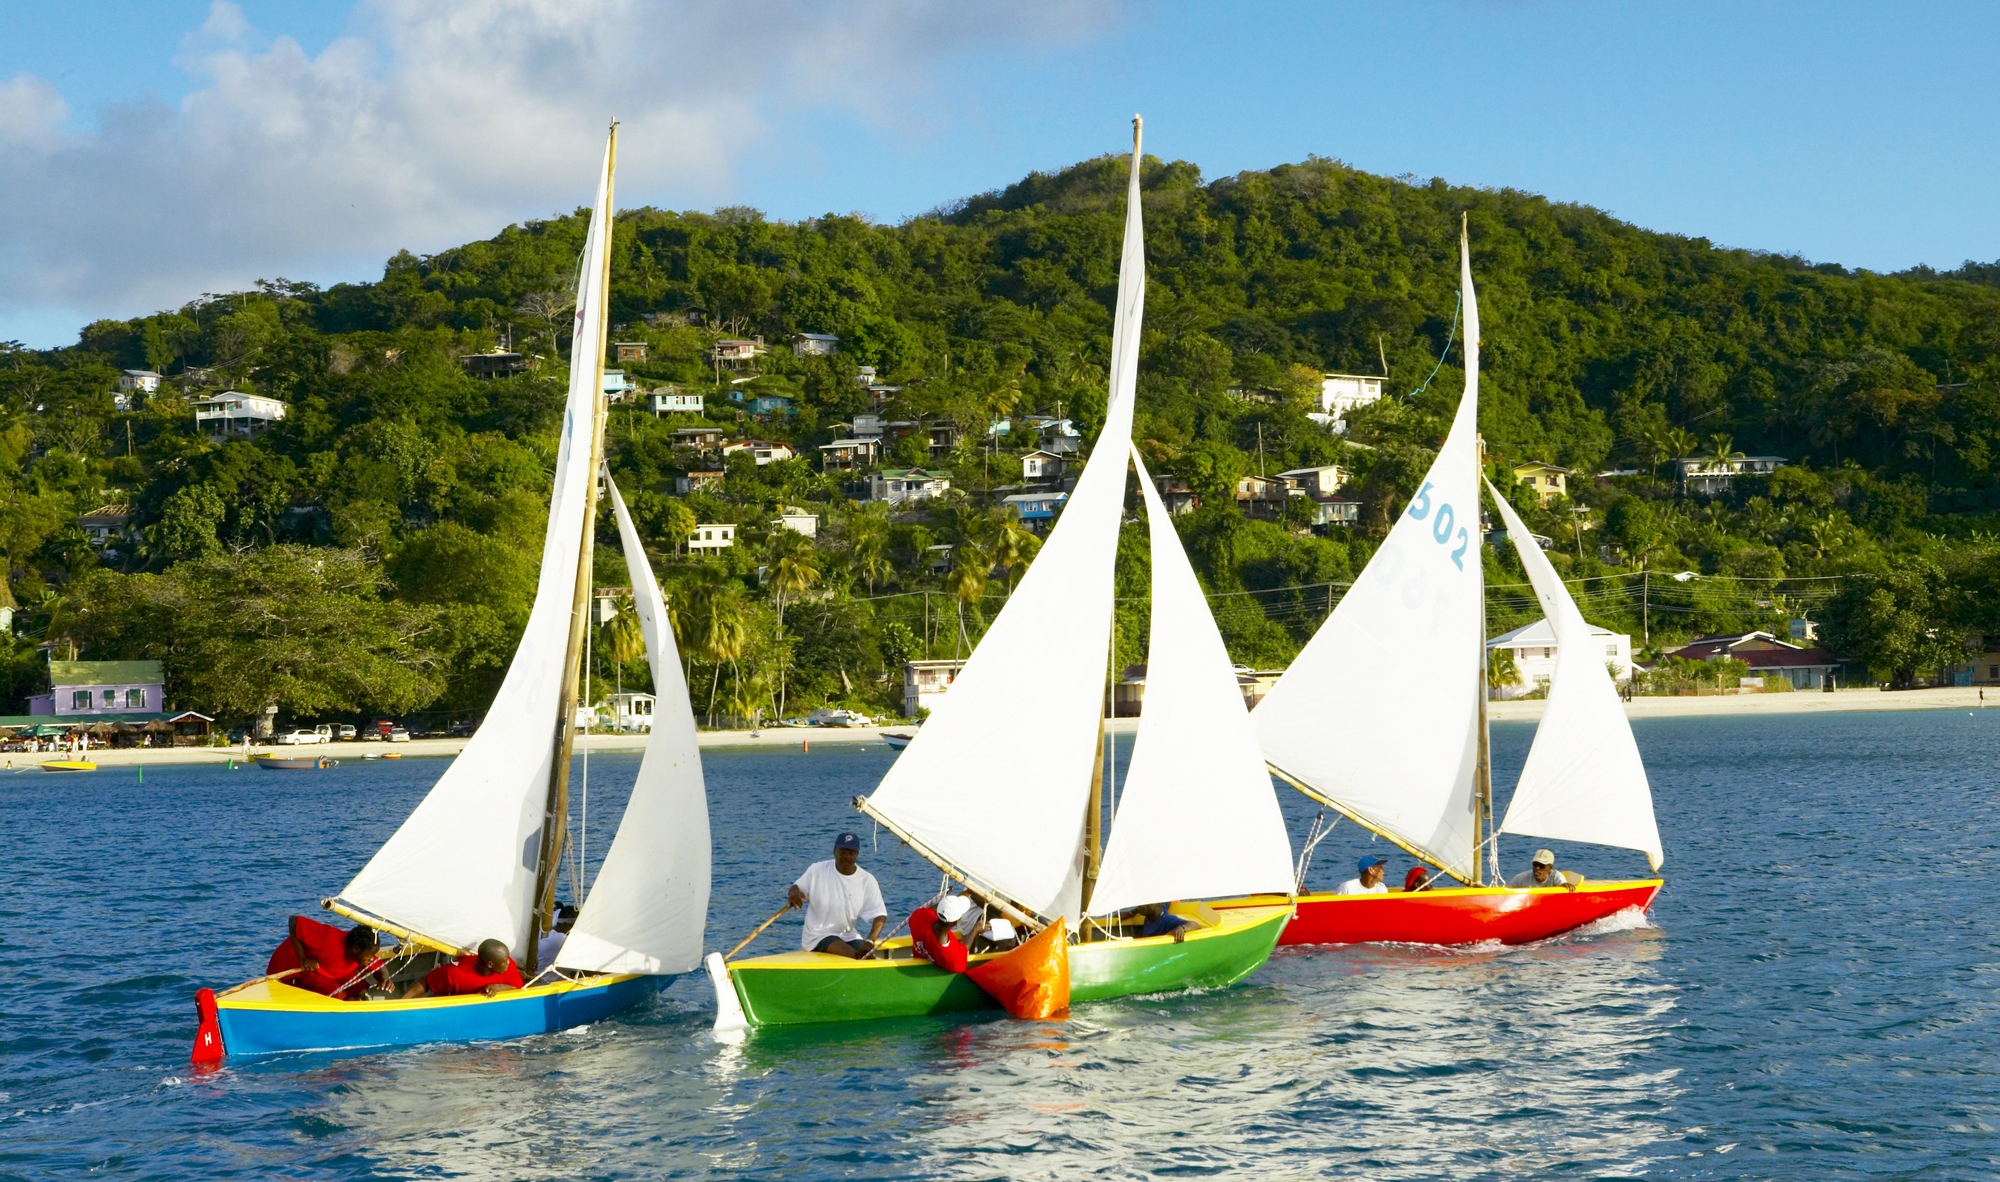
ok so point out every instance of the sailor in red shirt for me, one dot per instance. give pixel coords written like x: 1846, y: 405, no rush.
x: 326, y: 957
x: 489, y: 971
x: 933, y: 937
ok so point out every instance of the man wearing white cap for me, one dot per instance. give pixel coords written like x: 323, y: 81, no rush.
x: 1543, y: 873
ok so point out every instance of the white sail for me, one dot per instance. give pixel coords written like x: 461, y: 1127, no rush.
x: 1583, y: 780
x: 1008, y: 817
x: 462, y: 867
x: 1197, y: 818
x: 1380, y: 713
x: 648, y: 906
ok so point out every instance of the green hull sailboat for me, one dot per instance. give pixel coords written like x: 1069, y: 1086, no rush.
x: 1197, y: 817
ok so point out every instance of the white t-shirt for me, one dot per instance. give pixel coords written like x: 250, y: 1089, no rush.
x: 1353, y: 887
x: 1526, y: 878
x: 838, y: 904
x: 547, y: 947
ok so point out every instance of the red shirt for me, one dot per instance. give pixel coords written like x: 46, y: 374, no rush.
x: 324, y: 943
x: 948, y: 955
x: 463, y: 976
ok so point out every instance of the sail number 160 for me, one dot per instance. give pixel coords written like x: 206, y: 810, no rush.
x: 1420, y: 508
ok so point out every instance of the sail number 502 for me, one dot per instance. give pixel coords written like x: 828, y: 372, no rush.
x: 1420, y: 508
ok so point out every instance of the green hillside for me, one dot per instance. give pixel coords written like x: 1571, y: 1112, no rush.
x: 375, y: 550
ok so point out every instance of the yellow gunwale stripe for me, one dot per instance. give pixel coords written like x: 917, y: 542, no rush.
x: 321, y: 1004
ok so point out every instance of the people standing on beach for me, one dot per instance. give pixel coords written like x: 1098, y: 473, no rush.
x: 838, y: 895
x: 1542, y: 872
x: 1370, y: 880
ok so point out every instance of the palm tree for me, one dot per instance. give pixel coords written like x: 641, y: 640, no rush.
x: 1723, y: 448
x: 972, y: 565
x: 721, y: 629
x: 868, y: 542
x: 624, y: 640
x: 1501, y: 671
x: 1014, y: 548
x: 795, y: 569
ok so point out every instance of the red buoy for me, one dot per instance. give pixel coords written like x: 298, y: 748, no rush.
x: 208, y: 1038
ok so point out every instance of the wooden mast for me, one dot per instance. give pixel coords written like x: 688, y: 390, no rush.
x: 555, y: 812
x: 1482, y: 826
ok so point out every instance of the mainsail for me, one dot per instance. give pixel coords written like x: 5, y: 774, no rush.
x: 648, y: 905
x: 1583, y: 780
x: 1197, y: 818
x: 1380, y: 714
x: 960, y: 788
x: 463, y: 867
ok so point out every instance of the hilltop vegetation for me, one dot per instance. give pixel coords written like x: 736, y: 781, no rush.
x: 376, y: 549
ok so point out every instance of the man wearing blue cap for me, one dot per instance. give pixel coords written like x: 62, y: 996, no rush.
x: 838, y: 895
x: 1370, y: 882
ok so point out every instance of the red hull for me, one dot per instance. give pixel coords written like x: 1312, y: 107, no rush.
x: 1461, y: 915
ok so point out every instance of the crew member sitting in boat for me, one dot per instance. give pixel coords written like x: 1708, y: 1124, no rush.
x: 838, y: 895
x: 547, y: 947
x: 1370, y: 880
x: 1543, y: 873
x: 489, y: 971
x: 1160, y: 921
x: 328, y: 960
x: 1418, y: 879
x: 933, y: 937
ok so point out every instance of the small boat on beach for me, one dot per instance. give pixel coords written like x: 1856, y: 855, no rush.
x: 1197, y: 817
x: 1382, y: 718
x: 294, y: 762
x: 897, y: 741
x: 68, y: 765
x: 479, y: 857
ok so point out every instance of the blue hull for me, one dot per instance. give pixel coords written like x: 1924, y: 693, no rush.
x: 287, y: 1021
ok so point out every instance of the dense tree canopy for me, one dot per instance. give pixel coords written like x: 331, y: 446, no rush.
x: 376, y: 549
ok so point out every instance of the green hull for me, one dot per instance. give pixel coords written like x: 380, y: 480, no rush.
x: 797, y: 988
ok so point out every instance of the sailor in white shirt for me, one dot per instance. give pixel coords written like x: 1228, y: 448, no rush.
x: 1542, y: 872
x: 838, y: 896
x: 548, y: 946
x: 1370, y: 882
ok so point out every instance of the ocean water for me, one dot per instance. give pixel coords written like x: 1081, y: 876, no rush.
x: 1814, y: 996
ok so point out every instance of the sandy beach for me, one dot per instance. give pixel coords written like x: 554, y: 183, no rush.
x: 1804, y: 702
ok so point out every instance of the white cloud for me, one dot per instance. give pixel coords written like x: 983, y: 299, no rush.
x: 433, y: 124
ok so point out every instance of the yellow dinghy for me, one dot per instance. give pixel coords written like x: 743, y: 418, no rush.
x: 68, y: 765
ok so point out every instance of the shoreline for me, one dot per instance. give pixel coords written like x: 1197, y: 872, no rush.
x: 1714, y: 705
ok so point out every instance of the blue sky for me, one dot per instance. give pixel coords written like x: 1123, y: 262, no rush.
x: 165, y: 148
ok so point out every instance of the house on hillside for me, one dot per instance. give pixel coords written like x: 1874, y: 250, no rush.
x: 1708, y: 475
x: 1533, y: 647
x: 764, y: 451
x: 236, y: 413
x: 1340, y: 393
x: 799, y: 521
x: 95, y: 689
x: 700, y: 479
x: 1324, y: 480
x: 699, y: 438
x: 616, y: 387
x: 1128, y: 695
x: 1042, y: 467
x: 497, y: 364
x: 898, y: 486
x: 107, y: 525
x: 1548, y: 480
x: 711, y: 536
x: 814, y: 344
x: 850, y: 453
x: 1035, y: 509
x: 1261, y: 496
x: 1767, y: 656
x: 626, y: 352
x: 737, y: 354
x: 1176, y: 494
x: 134, y: 387
x: 672, y: 400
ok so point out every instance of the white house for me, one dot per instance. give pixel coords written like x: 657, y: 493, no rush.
x: 629, y: 712
x: 799, y: 521
x: 925, y: 683
x: 671, y: 400
x: 1041, y: 465
x: 896, y: 486
x: 1709, y: 475
x: 850, y: 453
x: 814, y: 344
x: 764, y: 451
x: 142, y: 381
x: 1340, y: 393
x: 236, y: 413
x: 1534, y: 650
x: 711, y: 536
x: 1322, y: 481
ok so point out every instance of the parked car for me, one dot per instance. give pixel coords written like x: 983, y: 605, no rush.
x: 399, y: 735
x: 344, y: 732
x: 299, y: 738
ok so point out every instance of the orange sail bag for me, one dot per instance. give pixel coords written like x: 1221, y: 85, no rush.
x: 1032, y: 981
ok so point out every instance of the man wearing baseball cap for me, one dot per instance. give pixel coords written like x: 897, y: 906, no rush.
x: 1370, y: 882
x: 1543, y: 873
x: 838, y: 895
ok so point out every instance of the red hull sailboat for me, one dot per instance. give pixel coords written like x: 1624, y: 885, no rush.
x: 1383, y: 719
